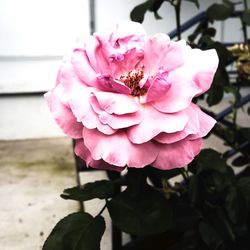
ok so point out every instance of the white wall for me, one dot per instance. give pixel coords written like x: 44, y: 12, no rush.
x: 35, y: 34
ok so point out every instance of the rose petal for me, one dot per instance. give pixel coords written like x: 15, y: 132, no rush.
x: 84, y: 112
x: 107, y: 83
x: 202, y: 65
x: 117, y: 150
x: 63, y: 115
x: 177, y: 154
x: 95, y: 55
x: 159, y: 87
x: 113, y: 120
x: 180, y: 94
x: 199, y: 124
x: 155, y: 122
x: 82, y: 68
x: 117, y: 103
x: 120, y: 121
x: 160, y: 52
x: 206, y: 123
x: 84, y: 153
x: 78, y: 98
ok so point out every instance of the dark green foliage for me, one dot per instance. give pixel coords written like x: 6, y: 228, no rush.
x: 100, y: 189
x: 248, y: 110
x: 220, y: 11
x: 208, y: 160
x: 240, y: 161
x: 246, y: 17
x: 146, y: 212
x: 77, y: 231
x: 138, y: 13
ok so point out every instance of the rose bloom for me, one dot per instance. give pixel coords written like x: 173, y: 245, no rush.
x: 126, y: 99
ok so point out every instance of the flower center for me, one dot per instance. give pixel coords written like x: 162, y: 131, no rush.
x: 132, y: 80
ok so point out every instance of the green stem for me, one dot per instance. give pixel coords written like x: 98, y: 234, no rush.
x: 177, y: 8
x: 104, y: 207
x: 136, y: 179
x: 184, y: 174
x: 244, y: 27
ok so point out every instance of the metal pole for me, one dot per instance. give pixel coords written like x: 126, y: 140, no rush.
x: 92, y: 16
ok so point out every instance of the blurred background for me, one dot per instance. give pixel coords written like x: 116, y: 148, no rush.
x: 36, y: 159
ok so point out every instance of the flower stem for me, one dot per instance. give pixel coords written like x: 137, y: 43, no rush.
x: 185, y: 175
x: 104, y: 207
x: 177, y: 8
x: 244, y: 27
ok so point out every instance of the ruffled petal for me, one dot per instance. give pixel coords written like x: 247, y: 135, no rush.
x: 193, y: 78
x: 114, y: 103
x: 113, y: 120
x: 117, y: 150
x: 95, y: 55
x: 159, y: 86
x: 78, y: 96
x: 176, y: 155
x: 192, y: 127
x: 107, y: 83
x: 155, y: 122
x: 202, y: 66
x: 82, y: 68
x: 84, y: 153
x: 180, y: 94
x: 199, y: 124
x: 120, y: 121
x: 62, y: 114
x: 122, y: 46
x: 206, y: 123
x: 161, y: 53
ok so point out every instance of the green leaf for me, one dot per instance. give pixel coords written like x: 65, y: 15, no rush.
x: 76, y: 231
x: 225, y: 56
x: 219, y: 11
x: 164, y: 174
x: 216, y: 92
x: 196, y: 2
x: 209, y: 31
x: 222, y: 225
x: 207, y: 160
x: 138, y: 13
x: 236, y: 206
x: 99, y: 189
x: 235, y: 91
x: 246, y: 17
x: 184, y: 217
x: 205, y: 41
x: 155, y: 6
x: 248, y: 110
x: 196, y: 189
x: 243, y: 185
x: 245, y: 132
x: 147, y: 212
x: 214, y: 95
x: 209, y: 235
x: 240, y: 161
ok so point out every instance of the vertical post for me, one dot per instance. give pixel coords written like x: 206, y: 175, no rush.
x: 116, y: 234
x: 92, y: 16
x: 78, y: 163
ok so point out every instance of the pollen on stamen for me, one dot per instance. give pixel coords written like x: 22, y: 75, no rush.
x: 132, y: 80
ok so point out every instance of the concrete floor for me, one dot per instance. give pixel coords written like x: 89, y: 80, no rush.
x: 32, y: 177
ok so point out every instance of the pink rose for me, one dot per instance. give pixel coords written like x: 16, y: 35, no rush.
x: 127, y: 99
